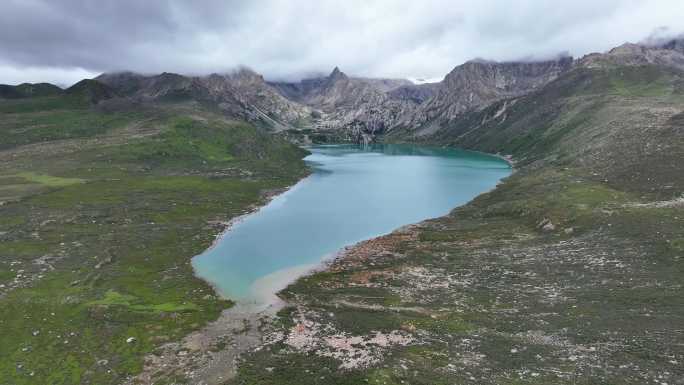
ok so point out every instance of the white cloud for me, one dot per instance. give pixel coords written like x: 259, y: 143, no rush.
x: 287, y: 39
x: 63, y: 77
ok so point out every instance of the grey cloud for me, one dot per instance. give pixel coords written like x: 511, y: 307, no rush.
x: 289, y: 39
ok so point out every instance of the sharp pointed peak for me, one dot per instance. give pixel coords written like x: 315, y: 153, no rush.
x: 337, y: 74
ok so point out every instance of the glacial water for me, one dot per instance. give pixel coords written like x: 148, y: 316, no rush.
x: 354, y: 193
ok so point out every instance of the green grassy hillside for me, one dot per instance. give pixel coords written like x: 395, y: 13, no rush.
x: 100, y: 213
x: 26, y: 90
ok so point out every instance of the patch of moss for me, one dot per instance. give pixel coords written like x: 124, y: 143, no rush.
x: 113, y: 298
x: 50, y: 181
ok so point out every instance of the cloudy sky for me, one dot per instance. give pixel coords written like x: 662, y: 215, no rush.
x: 64, y: 41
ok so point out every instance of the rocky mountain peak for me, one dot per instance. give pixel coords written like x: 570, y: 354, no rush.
x: 336, y: 75
x: 242, y: 94
x: 627, y: 49
x: 476, y: 84
x: 504, y: 74
x: 170, y: 76
x: 246, y: 74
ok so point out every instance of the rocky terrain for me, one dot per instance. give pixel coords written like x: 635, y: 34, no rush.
x: 477, y: 84
x: 242, y: 94
x: 667, y: 54
x: 356, y: 109
x: 361, y: 110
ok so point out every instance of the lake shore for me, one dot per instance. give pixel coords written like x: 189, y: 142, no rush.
x: 324, y: 213
x: 249, y: 322
x: 224, y: 227
x: 209, y: 354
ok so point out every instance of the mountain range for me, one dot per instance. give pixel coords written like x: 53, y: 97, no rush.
x: 353, y: 108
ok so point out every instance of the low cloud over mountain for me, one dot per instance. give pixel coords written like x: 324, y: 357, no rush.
x: 64, y: 40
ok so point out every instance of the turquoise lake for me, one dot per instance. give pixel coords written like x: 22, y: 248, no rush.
x: 354, y: 193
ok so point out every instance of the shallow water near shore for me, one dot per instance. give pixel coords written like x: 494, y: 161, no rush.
x: 354, y: 193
